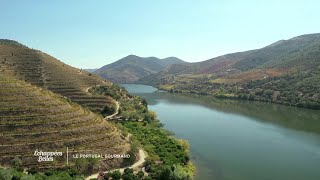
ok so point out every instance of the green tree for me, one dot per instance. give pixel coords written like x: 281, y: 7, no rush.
x: 128, y: 171
x: 108, y: 110
x: 140, y: 174
x: 107, y: 176
x: 28, y: 177
x: 147, y: 178
x: 116, y: 175
x: 16, y: 175
x: 16, y: 162
x: 64, y: 176
x: 81, y: 165
x: 92, y: 162
x: 5, y: 174
x: 166, y: 174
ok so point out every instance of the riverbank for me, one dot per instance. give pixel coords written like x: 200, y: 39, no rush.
x: 168, y: 157
x: 262, y: 96
x: 231, y: 139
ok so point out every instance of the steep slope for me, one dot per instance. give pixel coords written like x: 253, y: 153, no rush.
x: 45, y: 71
x: 261, y: 74
x: 279, y: 53
x: 131, y: 68
x: 276, y: 56
x: 34, y: 119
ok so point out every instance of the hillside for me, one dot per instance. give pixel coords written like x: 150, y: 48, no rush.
x: 262, y: 74
x: 34, y: 118
x: 131, y: 68
x: 46, y: 105
x: 11, y: 43
x: 42, y: 70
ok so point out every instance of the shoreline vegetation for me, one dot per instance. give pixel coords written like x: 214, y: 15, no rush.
x: 277, y: 90
x: 82, y: 108
x: 168, y: 157
x: 285, y: 72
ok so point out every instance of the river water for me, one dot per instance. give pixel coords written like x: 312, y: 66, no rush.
x: 241, y: 140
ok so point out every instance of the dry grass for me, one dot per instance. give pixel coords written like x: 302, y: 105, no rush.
x: 45, y: 71
x: 249, y: 75
x: 167, y: 87
x: 32, y: 117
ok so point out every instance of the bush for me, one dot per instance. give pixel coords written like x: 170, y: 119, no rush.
x: 5, y: 174
x: 81, y: 165
x: 168, y: 151
x: 16, y: 162
x: 108, y: 110
x: 140, y: 174
x: 128, y: 171
x: 64, y: 176
x: 107, y: 176
x: 116, y: 175
x: 29, y: 177
x: 129, y: 177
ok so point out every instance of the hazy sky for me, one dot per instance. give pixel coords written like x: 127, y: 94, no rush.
x: 89, y: 34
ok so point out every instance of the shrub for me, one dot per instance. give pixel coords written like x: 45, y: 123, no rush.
x: 128, y: 171
x: 107, y: 176
x: 5, y: 174
x: 140, y: 174
x: 16, y: 162
x: 116, y: 175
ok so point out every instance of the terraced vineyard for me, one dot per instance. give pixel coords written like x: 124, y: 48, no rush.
x: 45, y: 71
x: 34, y: 118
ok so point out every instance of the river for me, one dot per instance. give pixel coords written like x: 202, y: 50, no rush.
x: 240, y: 140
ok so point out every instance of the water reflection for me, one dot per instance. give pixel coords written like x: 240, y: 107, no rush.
x: 291, y: 117
x: 234, y: 139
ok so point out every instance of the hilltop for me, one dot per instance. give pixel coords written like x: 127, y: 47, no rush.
x: 41, y: 69
x: 131, y: 68
x: 45, y: 105
x: 11, y: 43
x: 261, y: 74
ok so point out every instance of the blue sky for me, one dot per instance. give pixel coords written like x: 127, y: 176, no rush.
x: 90, y: 34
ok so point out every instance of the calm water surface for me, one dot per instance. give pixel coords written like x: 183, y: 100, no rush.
x: 241, y: 140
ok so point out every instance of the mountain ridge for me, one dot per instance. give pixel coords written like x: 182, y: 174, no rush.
x: 132, y: 67
x: 257, y: 74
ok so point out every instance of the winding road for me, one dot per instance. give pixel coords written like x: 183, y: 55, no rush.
x: 115, y: 113
x: 142, y: 154
x: 142, y: 159
x: 117, y: 107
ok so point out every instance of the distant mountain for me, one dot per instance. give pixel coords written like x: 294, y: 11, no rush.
x: 91, y: 70
x: 253, y: 74
x: 276, y: 55
x: 131, y: 68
